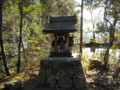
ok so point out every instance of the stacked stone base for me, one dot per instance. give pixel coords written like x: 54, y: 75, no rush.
x: 61, y: 73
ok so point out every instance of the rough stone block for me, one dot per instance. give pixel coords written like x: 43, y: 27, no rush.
x: 45, y: 64
x: 65, y: 82
x: 79, y: 81
x: 51, y: 81
x: 62, y: 89
x: 48, y: 72
x: 41, y: 77
x: 95, y: 64
x: 60, y: 74
x: 70, y: 73
x: 78, y: 69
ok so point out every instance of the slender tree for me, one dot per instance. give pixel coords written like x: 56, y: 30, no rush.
x: 81, y: 27
x: 1, y: 42
x: 20, y: 36
x: 111, y: 9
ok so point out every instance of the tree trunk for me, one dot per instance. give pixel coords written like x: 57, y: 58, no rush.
x: 106, y: 56
x: 93, y: 25
x: 20, y: 38
x: 111, y: 30
x: 24, y: 53
x: 1, y: 42
x: 81, y: 28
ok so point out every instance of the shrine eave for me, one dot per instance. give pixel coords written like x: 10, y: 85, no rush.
x: 59, y: 31
x: 61, y: 24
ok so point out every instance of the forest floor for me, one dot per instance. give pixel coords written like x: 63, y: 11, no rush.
x: 96, y: 80
x: 103, y: 80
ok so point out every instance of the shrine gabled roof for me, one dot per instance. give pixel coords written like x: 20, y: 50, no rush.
x: 61, y: 24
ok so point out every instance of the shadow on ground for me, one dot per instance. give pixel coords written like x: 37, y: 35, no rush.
x: 96, y: 80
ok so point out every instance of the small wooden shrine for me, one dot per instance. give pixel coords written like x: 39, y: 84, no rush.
x: 60, y: 71
x: 60, y: 28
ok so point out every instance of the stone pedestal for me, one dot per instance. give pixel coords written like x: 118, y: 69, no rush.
x: 61, y: 73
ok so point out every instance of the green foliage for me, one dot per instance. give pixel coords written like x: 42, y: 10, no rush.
x: 101, y: 28
x: 94, y: 3
x: 36, y: 14
x: 93, y: 40
x: 15, y: 77
x: 85, y: 62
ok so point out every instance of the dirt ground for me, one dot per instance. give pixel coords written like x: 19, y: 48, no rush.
x: 96, y: 80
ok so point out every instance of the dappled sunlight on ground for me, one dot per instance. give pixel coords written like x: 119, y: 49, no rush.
x: 103, y: 80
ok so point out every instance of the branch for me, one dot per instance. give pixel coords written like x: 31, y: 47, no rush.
x: 115, y: 18
x: 105, y: 13
x: 106, y: 18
